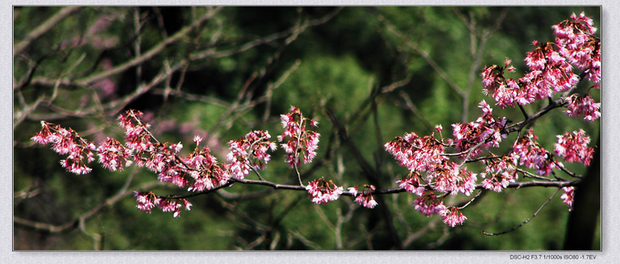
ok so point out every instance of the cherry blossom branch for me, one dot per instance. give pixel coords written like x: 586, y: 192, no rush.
x: 433, y: 175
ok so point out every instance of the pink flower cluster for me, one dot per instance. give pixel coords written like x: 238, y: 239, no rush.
x: 452, y: 216
x: 67, y: 142
x: 450, y: 178
x: 302, y: 142
x: 364, y: 197
x: 428, y: 204
x: 532, y: 155
x: 501, y: 171
x: 573, y: 147
x: 549, y: 73
x: 583, y: 106
x: 579, y: 46
x: 505, y: 91
x: 416, y: 153
x: 112, y: 155
x: 137, y: 137
x: 160, y: 158
x: 253, y: 145
x: 486, y: 130
x: 206, y: 171
x: 412, y: 183
x: 323, y: 191
x: 147, y: 200
x: 550, y: 69
x: 426, y: 154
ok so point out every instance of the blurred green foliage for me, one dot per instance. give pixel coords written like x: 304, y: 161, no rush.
x: 335, y: 66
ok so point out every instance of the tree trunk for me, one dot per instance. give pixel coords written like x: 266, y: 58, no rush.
x: 582, y: 219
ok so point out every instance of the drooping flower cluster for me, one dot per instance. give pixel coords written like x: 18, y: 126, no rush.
x: 550, y: 66
x: 302, y: 143
x: 148, y: 200
x: 67, y: 142
x: 137, y: 137
x: 568, y: 196
x: 486, y: 132
x: 412, y: 183
x: 505, y: 91
x: 160, y: 158
x: 323, y: 191
x: 426, y: 154
x: 416, y: 153
x: 113, y: 155
x: 249, y: 153
x: 532, y: 155
x: 364, y: 197
x: 428, y: 204
x: 499, y: 172
x: 205, y: 170
x: 452, y: 216
x: 450, y: 178
x: 583, y: 106
x: 549, y: 73
x: 579, y: 46
x: 573, y: 147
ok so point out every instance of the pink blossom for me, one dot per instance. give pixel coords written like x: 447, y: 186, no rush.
x: 206, y: 172
x: 568, y: 196
x: 301, y: 141
x: 412, y: 184
x: 323, y: 191
x: 573, y: 147
x: 176, y: 147
x: 486, y: 130
x: 197, y: 139
x: 452, y: 216
x: 448, y: 177
x: 45, y: 135
x: 352, y: 190
x: 532, y: 155
x: 365, y: 198
x: 113, y: 155
x: 583, y: 106
x: 146, y: 201
x: 67, y: 142
x: 415, y: 153
x: 501, y: 172
x: 249, y: 153
x: 428, y: 204
x: 579, y: 46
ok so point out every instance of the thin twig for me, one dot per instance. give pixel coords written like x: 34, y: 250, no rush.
x: 43, y: 28
x: 524, y: 222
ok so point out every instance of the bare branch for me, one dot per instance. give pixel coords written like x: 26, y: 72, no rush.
x: 85, y: 216
x: 43, y: 28
x: 150, y: 53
